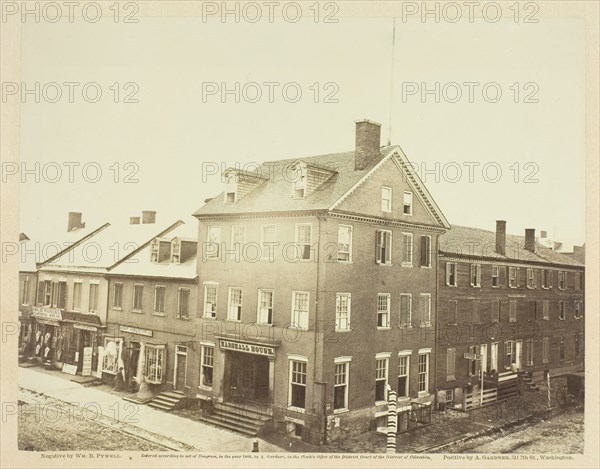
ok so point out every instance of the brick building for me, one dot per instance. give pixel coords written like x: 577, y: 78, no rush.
x: 508, y: 299
x: 317, y: 283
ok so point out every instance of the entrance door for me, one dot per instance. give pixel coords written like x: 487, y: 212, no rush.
x: 518, y: 349
x: 483, y: 352
x: 247, y: 376
x: 180, y: 367
x: 494, y: 357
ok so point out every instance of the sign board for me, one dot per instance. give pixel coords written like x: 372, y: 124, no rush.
x: 86, y: 369
x: 136, y: 330
x: 472, y: 356
x: 48, y: 313
x: 247, y: 348
x: 85, y: 328
x: 70, y: 369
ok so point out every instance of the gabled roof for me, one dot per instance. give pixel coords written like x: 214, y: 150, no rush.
x: 275, y: 195
x: 467, y: 241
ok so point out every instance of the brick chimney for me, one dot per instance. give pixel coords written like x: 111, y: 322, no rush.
x: 530, y: 239
x: 134, y: 220
x: 148, y: 216
x: 74, y: 222
x: 368, y: 140
x: 501, y: 237
x: 543, y: 234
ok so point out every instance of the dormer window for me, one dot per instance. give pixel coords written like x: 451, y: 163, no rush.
x: 154, y: 251
x: 175, y: 252
x: 230, y: 188
x: 299, y: 187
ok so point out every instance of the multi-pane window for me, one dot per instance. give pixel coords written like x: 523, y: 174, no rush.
x: 210, y: 301
x: 93, y: 303
x: 383, y: 247
x: 138, y: 291
x: 450, y: 364
x: 476, y: 316
x: 304, y: 240
x: 495, y: 310
x: 495, y: 276
x: 386, y: 199
x: 265, y: 306
x: 451, y: 277
x: 426, y: 251
x: 383, y: 310
x: 238, y: 236
x: 117, y: 295
x: 561, y: 310
x: 546, y: 278
x: 529, y: 352
x: 77, y: 296
x: 160, y: 292
x: 561, y: 349
x: 512, y: 277
x: 561, y: 279
x: 234, y: 312
x: 545, y: 349
x: 340, y: 386
x: 207, y: 365
x: 425, y: 308
x: 344, y: 243
x: 268, y: 236
x: 403, y: 374
x: 509, y: 353
x: 183, y: 303
x: 300, y: 310
x: 407, y: 249
x: 112, y: 353
x: 512, y: 310
x: 154, y: 364
x: 405, y: 309
x: 407, y: 205
x: 25, y: 297
x: 452, y: 310
x: 423, y: 372
x: 342, y: 311
x: 213, y: 248
x: 546, y: 309
x: 297, y: 397
x: 475, y: 275
x: 530, y: 278
x: 381, y: 378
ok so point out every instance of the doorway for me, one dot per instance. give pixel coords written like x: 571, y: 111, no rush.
x: 246, y: 377
x: 179, y: 380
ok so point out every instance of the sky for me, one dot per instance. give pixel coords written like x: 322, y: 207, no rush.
x: 519, y: 161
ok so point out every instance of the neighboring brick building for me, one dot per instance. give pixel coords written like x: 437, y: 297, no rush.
x: 509, y: 299
x: 317, y: 284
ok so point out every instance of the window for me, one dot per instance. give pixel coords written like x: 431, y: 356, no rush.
x: 561, y: 311
x: 154, y: 247
x: 77, y: 295
x: 175, y: 252
x: 405, y: 309
x: 213, y: 248
x: 207, y: 364
x: 265, y: 306
x: 300, y: 309
x: 546, y: 309
x: 578, y: 281
x: 495, y: 276
x: 112, y: 352
x: 47, y: 293
x: 512, y: 277
x: 238, y: 236
x: 159, y: 299
x: 381, y: 378
x: 62, y: 295
x: 383, y: 252
x: 386, y: 199
x: 210, y: 301
x: 495, y: 310
x: 529, y: 352
x: 304, y: 240
x: 425, y: 308
x: 449, y: 398
x: 546, y: 278
x: 561, y: 280
x: 230, y: 188
x: 476, y: 312
x: 230, y: 197
x: 425, y: 251
x: 344, y: 243
x: 452, y: 310
x: 183, y: 303
x: 407, y: 249
x: 138, y: 291
x: 530, y: 278
x: 562, y: 348
x: 408, y: 203
x: 155, y: 355
x: 25, y: 297
x: 403, y: 374
x: 383, y: 310
x: 340, y: 386
x: 509, y: 353
x: 297, y: 391
x: 299, y: 186
x: 451, y: 279
x: 450, y: 364
x: 268, y: 236
x: 546, y: 349
x: 577, y: 309
x: 342, y: 311
x: 234, y: 312
x: 475, y: 275
x: 423, y: 374
x: 93, y: 303
x: 512, y: 311
x: 117, y: 295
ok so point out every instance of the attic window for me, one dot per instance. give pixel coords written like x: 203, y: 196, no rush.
x: 175, y: 252
x: 230, y: 197
x: 231, y: 188
x: 408, y: 202
x: 154, y: 252
x: 299, y: 187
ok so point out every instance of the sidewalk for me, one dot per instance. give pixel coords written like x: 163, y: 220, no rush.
x: 138, y: 419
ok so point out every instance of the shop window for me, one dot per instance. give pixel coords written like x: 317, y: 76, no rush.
x: 154, y: 364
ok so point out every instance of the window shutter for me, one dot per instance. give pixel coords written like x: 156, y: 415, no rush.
x: 501, y: 275
x: 378, y: 246
x: 447, y: 273
x: 450, y: 362
x: 424, y: 250
x: 40, y: 294
x: 532, y: 309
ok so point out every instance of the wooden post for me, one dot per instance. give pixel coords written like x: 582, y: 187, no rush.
x: 392, y: 421
x: 548, y: 386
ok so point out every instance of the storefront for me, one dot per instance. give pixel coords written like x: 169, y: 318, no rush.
x: 26, y: 336
x: 46, y: 332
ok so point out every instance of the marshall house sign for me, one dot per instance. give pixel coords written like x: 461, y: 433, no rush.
x: 247, y: 348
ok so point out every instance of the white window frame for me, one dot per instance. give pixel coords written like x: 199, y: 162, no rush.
x: 179, y: 292
x: 382, y: 237
x: 408, y: 324
x: 513, y: 280
x: 410, y: 203
x: 349, y: 251
x: 345, y: 362
x: 509, y: 353
x: 427, y: 355
x: 216, y: 229
x: 206, y: 313
x: 387, y: 311
x: 268, y: 252
x: 495, y: 276
x: 234, y: 243
x: 164, y: 305
x: 475, y: 277
x: 383, y: 357
x: 386, y: 199
x: 408, y: 251
x: 451, y: 270
x: 158, y: 376
x: 116, y: 306
x: 339, y: 326
x: 304, y: 243
x: 425, y: 300
x: 297, y: 322
x: 264, y: 311
x: 133, y: 308
x: 203, y: 347
x: 237, y: 316
x: 304, y: 361
x: 404, y: 354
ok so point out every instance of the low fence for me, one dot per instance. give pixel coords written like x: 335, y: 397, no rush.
x: 506, y: 387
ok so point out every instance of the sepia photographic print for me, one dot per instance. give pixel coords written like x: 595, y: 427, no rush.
x: 304, y: 233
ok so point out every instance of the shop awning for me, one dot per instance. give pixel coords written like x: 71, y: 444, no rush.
x: 84, y: 319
